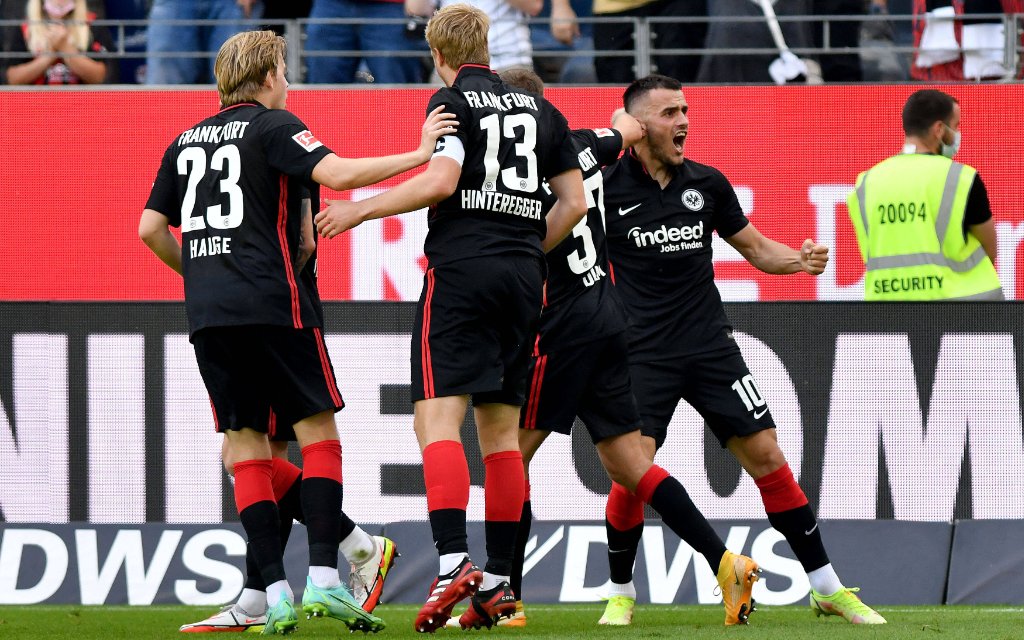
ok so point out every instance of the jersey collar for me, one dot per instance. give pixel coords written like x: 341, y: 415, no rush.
x: 474, y: 70
x: 240, y: 104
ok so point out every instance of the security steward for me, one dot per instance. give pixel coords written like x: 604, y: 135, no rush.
x: 923, y: 221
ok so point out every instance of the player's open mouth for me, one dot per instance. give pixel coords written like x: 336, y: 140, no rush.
x: 678, y: 140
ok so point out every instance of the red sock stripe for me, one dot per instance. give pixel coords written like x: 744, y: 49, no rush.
x: 624, y: 510
x: 649, y: 482
x: 446, y: 475
x: 283, y: 475
x: 780, y: 491
x: 504, y: 486
x: 252, y: 483
x: 533, y: 398
x: 325, y: 363
x: 322, y: 460
x: 425, y: 363
x: 286, y: 256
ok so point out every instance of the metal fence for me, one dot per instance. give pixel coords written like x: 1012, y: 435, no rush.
x: 129, y: 37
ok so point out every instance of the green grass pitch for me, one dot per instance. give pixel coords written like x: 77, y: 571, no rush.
x: 544, y: 621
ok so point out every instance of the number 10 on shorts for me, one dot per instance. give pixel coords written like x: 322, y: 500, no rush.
x: 748, y: 393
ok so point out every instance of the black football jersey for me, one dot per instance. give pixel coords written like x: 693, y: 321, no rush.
x: 234, y: 183
x: 513, y: 140
x: 579, y: 303
x: 659, y: 246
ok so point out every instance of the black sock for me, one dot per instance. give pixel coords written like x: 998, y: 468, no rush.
x: 253, y: 577
x: 321, y: 504
x: 501, y: 546
x: 677, y: 511
x: 622, y: 548
x: 261, y: 523
x: 800, y: 528
x: 449, y: 529
x: 522, y: 537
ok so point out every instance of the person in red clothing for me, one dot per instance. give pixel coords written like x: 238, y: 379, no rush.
x: 59, y: 41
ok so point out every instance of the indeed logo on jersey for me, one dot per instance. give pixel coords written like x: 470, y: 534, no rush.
x: 670, y: 238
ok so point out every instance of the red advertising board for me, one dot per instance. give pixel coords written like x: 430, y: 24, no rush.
x: 78, y: 166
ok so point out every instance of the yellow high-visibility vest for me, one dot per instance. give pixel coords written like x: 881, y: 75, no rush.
x: 908, y: 212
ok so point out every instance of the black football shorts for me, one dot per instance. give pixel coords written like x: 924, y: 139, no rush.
x: 266, y: 378
x: 476, y: 322
x: 588, y: 380
x: 717, y: 384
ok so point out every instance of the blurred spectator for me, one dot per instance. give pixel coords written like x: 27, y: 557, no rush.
x: 131, y: 39
x: 362, y: 37
x: 57, y: 40
x: 666, y: 35
x: 508, y: 39
x: 164, y: 37
x: 275, y: 12
x: 879, y: 39
x: 564, y: 34
x: 938, y: 41
x: 720, y: 67
x: 840, y: 67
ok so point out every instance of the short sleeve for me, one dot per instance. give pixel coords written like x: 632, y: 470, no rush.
x: 606, y: 143
x: 454, y: 104
x: 728, y: 218
x: 163, y: 198
x: 289, y: 145
x: 562, y: 155
x: 977, y: 209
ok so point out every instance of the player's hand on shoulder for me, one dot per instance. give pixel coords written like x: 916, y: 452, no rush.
x: 631, y: 129
x: 338, y: 217
x: 439, y: 123
x: 813, y: 257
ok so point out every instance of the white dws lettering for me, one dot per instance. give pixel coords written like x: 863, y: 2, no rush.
x: 668, y: 234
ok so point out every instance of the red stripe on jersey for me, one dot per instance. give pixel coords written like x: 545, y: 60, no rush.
x: 425, y: 363
x: 325, y: 362
x: 534, y: 399
x: 611, y: 271
x: 235, y: 106
x: 282, y: 236
x: 216, y: 425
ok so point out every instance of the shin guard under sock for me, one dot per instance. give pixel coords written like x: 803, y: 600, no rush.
x: 791, y: 515
x: 446, y: 476
x: 668, y: 497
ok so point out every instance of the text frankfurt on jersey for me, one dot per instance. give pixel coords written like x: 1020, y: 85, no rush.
x: 213, y: 134
x: 502, y: 102
x: 670, y: 238
x: 502, y: 203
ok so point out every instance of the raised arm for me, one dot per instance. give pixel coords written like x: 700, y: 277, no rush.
x: 437, y: 182
x: 774, y: 257
x: 568, y: 210
x: 342, y: 174
x: 629, y: 127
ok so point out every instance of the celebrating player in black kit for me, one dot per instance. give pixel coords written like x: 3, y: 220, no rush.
x: 482, y: 294
x: 236, y: 184
x: 661, y: 211
x: 579, y: 368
